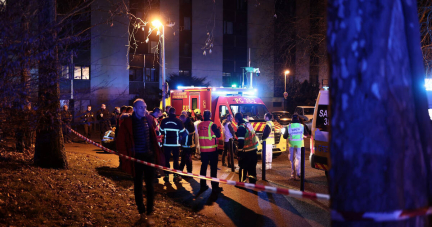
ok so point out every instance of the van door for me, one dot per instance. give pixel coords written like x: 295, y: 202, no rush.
x: 320, y: 149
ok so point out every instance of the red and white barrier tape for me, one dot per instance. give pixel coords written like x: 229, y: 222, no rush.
x: 335, y: 215
x: 397, y: 215
x: 283, y: 191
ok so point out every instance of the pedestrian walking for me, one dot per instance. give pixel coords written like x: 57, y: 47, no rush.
x: 137, y: 138
x: 103, y: 117
x: 228, y: 132
x: 294, y: 132
x: 208, y: 133
x: 170, y: 128
x: 268, y: 136
x: 247, y: 150
x: 88, y: 118
x: 188, y: 143
x: 66, y: 118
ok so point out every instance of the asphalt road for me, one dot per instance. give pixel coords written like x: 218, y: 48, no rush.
x: 244, y: 207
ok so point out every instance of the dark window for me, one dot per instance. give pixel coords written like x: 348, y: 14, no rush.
x: 277, y: 104
x: 240, y: 4
x: 194, y: 103
x: 313, y: 79
x: 187, y: 23
x: 151, y: 75
x: 135, y: 74
x: 186, y: 49
x: 228, y: 27
x: 184, y: 73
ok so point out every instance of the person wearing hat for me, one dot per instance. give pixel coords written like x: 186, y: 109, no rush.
x: 294, y: 132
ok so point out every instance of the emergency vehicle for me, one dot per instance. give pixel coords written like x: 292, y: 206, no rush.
x: 221, y: 101
x: 319, y: 142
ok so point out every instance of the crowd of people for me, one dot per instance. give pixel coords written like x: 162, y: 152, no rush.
x: 157, y: 136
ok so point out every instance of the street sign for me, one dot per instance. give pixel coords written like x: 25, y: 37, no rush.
x: 285, y: 95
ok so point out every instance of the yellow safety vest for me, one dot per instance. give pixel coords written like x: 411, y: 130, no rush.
x: 295, y: 138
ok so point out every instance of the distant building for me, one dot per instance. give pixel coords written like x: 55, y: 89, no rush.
x: 210, y: 39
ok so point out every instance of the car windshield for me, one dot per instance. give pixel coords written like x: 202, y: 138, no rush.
x: 309, y: 111
x: 253, y: 111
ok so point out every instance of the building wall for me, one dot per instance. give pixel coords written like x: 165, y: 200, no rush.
x: 207, y: 18
x: 302, y: 44
x: 169, y: 12
x: 109, y: 73
x: 260, y: 22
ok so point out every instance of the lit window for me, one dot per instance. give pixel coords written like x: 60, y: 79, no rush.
x: 77, y: 73
x: 85, y: 73
x: 81, y: 72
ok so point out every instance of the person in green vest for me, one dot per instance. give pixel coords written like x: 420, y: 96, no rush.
x: 294, y: 132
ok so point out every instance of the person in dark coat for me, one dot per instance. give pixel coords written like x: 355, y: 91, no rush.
x: 188, y: 143
x: 114, y: 116
x: 103, y: 117
x: 88, y: 118
x: 66, y: 118
x: 171, y: 128
x: 137, y: 138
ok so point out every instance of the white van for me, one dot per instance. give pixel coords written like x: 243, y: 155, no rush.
x: 320, y: 147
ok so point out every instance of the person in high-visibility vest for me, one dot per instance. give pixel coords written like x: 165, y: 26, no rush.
x: 247, y: 150
x: 198, y: 119
x: 188, y: 143
x: 269, y: 137
x: 171, y: 128
x: 294, y: 132
x: 208, y: 133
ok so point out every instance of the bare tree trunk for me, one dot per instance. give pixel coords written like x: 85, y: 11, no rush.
x: 381, y: 151
x: 49, y: 148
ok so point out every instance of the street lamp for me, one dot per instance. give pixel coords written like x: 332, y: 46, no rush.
x: 286, y: 73
x: 158, y: 24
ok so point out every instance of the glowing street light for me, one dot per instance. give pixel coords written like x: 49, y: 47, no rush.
x: 286, y: 73
x: 158, y: 24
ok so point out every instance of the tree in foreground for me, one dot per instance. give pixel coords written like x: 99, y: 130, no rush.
x: 381, y: 151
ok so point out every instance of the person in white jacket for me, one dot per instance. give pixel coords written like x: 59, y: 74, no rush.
x: 197, y: 146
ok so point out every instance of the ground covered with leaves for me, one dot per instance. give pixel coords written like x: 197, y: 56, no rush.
x: 91, y: 192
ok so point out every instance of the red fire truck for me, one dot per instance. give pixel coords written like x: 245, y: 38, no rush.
x: 221, y: 101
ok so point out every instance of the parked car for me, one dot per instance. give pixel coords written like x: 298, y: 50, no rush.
x: 283, y: 117
x: 307, y: 111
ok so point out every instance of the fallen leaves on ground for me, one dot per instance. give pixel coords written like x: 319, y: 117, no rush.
x: 90, y: 193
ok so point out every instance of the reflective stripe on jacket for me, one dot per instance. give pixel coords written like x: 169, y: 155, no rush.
x: 270, y: 139
x: 207, y: 138
x: 250, y: 140
x: 295, y: 138
x: 189, y: 142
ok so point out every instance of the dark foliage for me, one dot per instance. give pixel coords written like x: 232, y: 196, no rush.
x: 175, y: 80
x: 301, y: 94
